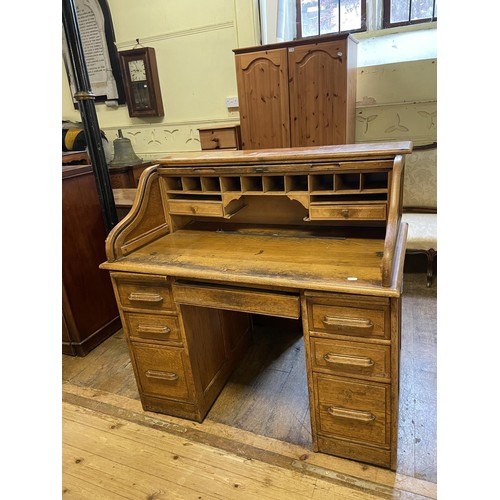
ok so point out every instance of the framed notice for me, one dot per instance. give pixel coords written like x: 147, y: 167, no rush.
x: 101, y: 56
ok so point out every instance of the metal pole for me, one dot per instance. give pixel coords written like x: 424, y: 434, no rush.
x: 85, y: 99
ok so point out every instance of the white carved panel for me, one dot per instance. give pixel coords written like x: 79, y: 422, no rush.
x: 154, y: 142
x: 416, y: 122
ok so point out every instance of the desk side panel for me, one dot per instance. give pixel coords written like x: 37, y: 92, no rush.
x: 145, y: 222
x: 216, y: 340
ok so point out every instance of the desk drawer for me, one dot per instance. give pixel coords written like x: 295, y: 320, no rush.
x: 158, y: 327
x: 353, y: 317
x: 353, y: 410
x: 333, y: 211
x: 351, y: 358
x: 146, y: 293
x: 196, y: 207
x: 161, y: 371
x: 238, y: 299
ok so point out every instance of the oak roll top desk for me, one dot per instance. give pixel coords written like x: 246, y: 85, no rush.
x: 310, y: 233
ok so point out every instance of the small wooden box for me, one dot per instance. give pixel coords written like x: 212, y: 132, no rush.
x: 221, y: 137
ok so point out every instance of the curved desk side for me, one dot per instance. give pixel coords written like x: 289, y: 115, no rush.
x: 145, y: 222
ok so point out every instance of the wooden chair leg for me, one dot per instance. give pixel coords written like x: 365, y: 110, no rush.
x: 431, y: 254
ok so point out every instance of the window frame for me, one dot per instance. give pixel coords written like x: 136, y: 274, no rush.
x: 386, y: 16
x: 298, y: 11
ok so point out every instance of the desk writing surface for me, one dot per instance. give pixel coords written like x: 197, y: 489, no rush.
x: 268, y: 257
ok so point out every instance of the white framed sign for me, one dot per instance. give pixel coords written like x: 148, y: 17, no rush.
x: 101, y: 56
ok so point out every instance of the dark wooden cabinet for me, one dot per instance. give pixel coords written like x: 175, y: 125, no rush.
x: 300, y: 93
x: 90, y: 314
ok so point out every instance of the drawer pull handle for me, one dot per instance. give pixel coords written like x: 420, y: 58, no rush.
x: 145, y: 297
x: 204, y: 170
x: 162, y: 375
x: 365, y: 324
x: 362, y: 416
x: 338, y: 359
x: 162, y: 330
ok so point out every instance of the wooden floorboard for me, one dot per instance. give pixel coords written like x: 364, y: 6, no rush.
x: 127, y: 460
x: 105, y: 413
x: 269, y: 427
x: 267, y: 393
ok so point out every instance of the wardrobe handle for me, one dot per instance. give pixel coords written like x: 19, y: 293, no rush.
x: 359, y: 361
x: 161, y: 330
x: 145, y: 297
x: 360, y: 323
x: 162, y: 375
x: 361, y: 416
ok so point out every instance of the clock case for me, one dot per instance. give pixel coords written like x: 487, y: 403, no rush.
x: 155, y: 105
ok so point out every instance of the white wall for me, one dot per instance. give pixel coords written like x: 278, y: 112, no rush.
x: 193, y: 42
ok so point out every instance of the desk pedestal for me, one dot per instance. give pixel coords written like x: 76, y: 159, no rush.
x: 183, y: 354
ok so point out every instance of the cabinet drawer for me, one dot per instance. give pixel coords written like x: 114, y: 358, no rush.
x: 160, y: 371
x: 353, y: 410
x: 347, y: 318
x: 220, y: 138
x: 152, y: 327
x: 349, y: 358
x: 332, y: 211
x: 153, y: 295
x: 196, y: 207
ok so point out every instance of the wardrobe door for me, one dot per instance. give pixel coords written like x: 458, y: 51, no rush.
x: 262, y: 78
x: 318, y: 93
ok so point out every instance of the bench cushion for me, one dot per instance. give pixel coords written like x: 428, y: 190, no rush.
x: 420, y: 179
x: 422, y: 231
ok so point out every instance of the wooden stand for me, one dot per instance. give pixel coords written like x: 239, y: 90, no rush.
x: 311, y: 233
x: 127, y: 176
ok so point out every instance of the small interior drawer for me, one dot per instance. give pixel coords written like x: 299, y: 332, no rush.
x: 161, y: 371
x: 196, y: 207
x: 264, y: 302
x: 158, y: 327
x: 151, y: 294
x: 333, y: 211
x: 349, y: 318
x: 351, y: 359
x: 353, y: 410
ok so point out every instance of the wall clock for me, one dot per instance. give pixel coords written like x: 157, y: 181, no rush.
x: 141, y: 82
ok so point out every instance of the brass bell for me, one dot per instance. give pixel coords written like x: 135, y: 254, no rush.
x: 124, y: 153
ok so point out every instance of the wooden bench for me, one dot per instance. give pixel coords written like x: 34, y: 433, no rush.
x: 420, y: 204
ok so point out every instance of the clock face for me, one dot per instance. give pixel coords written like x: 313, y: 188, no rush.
x: 137, y: 70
